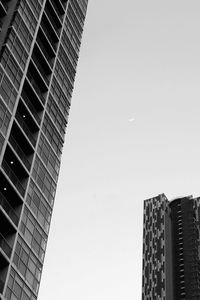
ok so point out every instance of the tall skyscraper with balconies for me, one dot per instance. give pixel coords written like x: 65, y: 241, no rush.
x: 39, y: 47
x: 171, y: 249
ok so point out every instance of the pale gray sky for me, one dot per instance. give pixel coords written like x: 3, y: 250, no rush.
x: 139, y: 60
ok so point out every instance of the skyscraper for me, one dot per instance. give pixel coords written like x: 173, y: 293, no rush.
x: 171, y: 249
x: 39, y: 47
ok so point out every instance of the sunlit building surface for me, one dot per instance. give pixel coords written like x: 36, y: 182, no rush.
x: 39, y: 47
x: 171, y: 249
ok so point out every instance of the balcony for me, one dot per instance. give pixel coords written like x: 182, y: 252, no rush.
x: 4, y: 263
x: 28, y: 118
x: 8, y: 209
x: 50, y: 27
x: 20, y: 152
x: 31, y: 107
x: 43, y: 72
x: 53, y: 17
x: 10, y: 201
x: 58, y: 6
x: 48, y: 37
x: 13, y: 177
x: 1, y: 26
x: 37, y: 80
x: 55, y: 13
x: 25, y: 128
x: 3, y: 9
x: 36, y: 88
x: 63, y: 2
x: 15, y: 164
x: 44, y: 55
x: 1, y: 286
x: 45, y: 39
x: 39, y: 76
x: 21, y: 139
x: 9, y: 192
x: 7, y: 232
x: 5, y: 246
x: 35, y: 97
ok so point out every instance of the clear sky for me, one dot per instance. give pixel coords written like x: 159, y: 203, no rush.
x: 133, y: 133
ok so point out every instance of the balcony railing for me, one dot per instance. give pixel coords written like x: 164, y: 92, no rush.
x: 26, y: 129
x: 36, y: 87
x: 5, y: 246
x: 20, y: 152
x: 8, y: 209
x: 9, y: 172
x: 31, y: 107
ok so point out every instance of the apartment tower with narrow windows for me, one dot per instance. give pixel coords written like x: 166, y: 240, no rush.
x: 39, y: 48
x: 171, y: 249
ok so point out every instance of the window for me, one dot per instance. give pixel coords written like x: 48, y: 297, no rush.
x: 7, y: 90
x: 78, y: 12
x: 63, y: 73
x: 67, y: 65
x: 68, y: 47
x: 39, y: 206
x: 49, y: 157
x: 27, y: 16
x: 17, y: 289
x: 22, y: 31
x: 17, y: 49
x: 74, y: 21
x: 36, y: 7
x: 59, y: 120
x: 1, y: 142
x: 5, y: 117
x: 44, y: 180
x: 33, y: 234
x: 61, y: 99
x: 27, y: 264
x: 72, y: 35
x: 52, y: 135
x: 11, y: 67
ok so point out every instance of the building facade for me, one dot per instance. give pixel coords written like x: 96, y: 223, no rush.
x: 171, y: 249
x: 39, y: 48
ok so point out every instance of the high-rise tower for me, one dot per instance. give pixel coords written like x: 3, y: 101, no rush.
x: 39, y: 47
x: 171, y: 249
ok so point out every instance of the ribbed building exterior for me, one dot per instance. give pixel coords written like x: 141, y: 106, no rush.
x: 39, y: 48
x: 171, y: 249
